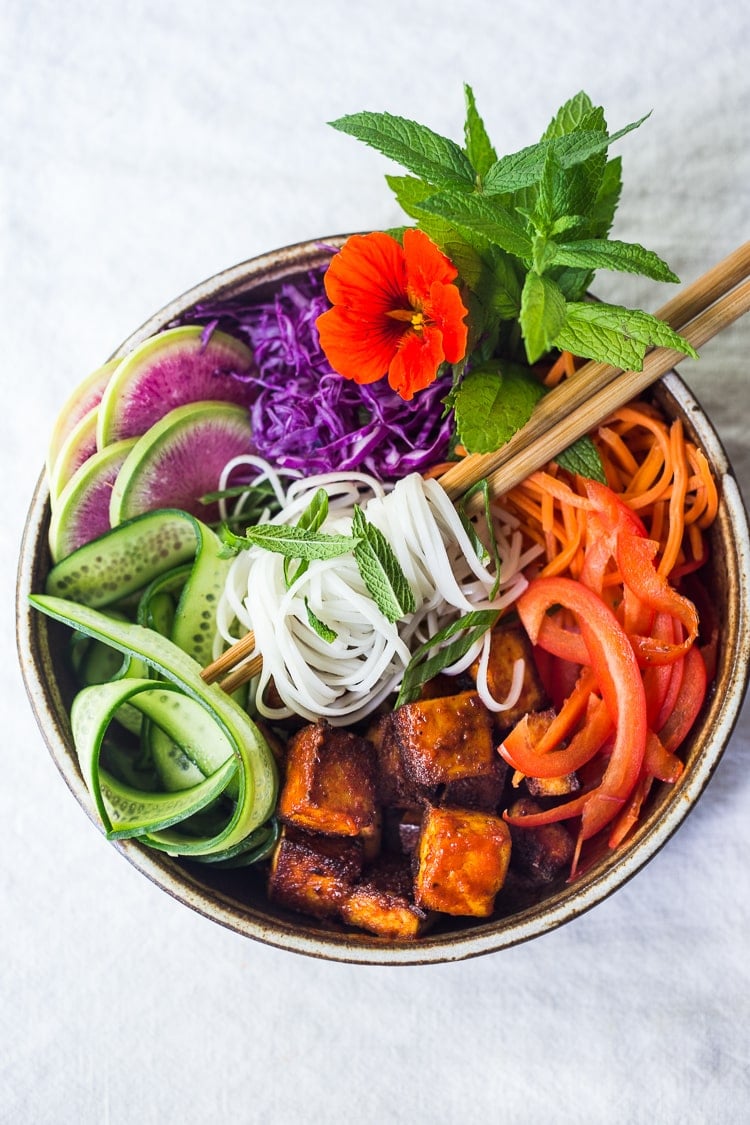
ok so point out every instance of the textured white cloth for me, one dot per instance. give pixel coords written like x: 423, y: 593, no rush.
x: 143, y: 147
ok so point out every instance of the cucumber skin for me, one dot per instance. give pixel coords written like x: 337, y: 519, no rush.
x: 120, y: 562
x: 258, y: 777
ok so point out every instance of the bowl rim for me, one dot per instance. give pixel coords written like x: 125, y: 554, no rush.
x: 499, y: 933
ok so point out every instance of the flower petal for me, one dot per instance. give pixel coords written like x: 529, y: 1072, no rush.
x: 416, y: 361
x: 425, y: 265
x: 446, y: 310
x: 360, y: 349
x: 368, y: 275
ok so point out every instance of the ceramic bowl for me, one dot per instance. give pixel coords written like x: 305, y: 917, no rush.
x: 237, y: 899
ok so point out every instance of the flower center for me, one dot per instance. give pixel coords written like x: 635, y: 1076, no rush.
x: 414, y: 317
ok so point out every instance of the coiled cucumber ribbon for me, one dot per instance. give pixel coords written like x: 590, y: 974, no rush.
x: 212, y: 785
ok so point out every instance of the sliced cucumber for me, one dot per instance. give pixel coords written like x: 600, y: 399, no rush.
x: 127, y: 558
x: 125, y: 811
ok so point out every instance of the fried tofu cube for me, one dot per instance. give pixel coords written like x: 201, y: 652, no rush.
x: 444, y: 740
x: 394, y: 788
x: 383, y: 903
x: 509, y: 643
x: 553, y: 786
x: 330, y: 783
x: 541, y: 853
x: 442, y: 685
x: 463, y: 858
x: 313, y: 874
x: 484, y: 792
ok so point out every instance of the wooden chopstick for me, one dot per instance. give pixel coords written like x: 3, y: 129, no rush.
x: 570, y: 410
x: 589, y: 413
x: 559, y: 410
x: 235, y: 662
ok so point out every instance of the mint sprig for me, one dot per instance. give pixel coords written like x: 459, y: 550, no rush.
x: 526, y: 231
x: 445, y: 648
x: 433, y: 158
x: 295, y: 542
x: 380, y: 569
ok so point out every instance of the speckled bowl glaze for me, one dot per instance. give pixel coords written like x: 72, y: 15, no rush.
x: 236, y: 899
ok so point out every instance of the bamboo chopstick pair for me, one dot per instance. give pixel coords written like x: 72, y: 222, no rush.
x: 573, y: 408
x: 582, y: 402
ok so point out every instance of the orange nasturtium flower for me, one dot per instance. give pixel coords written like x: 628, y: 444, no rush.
x: 395, y: 311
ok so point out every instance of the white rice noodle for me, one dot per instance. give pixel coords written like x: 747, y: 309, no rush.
x: 347, y: 678
x: 516, y: 683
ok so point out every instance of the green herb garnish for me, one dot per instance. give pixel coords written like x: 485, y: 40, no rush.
x: 442, y: 650
x: 380, y: 569
x: 526, y: 232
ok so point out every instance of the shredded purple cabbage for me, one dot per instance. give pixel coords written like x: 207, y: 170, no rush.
x: 306, y: 416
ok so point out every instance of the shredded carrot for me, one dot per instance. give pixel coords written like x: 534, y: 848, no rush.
x: 438, y: 470
x: 564, y: 366
x: 651, y: 465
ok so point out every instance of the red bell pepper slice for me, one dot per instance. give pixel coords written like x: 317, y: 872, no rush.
x: 688, y: 703
x: 536, y: 761
x: 636, y: 560
x: 618, y: 677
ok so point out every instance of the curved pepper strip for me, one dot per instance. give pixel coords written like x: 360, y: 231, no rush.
x: 692, y: 693
x: 619, y: 528
x: 619, y: 679
x: 534, y: 761
x: 636, y: 560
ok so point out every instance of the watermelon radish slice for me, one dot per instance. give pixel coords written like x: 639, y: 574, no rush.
x: 79, y: 445
x: 169, y: 370
x: 180, y: 459
x: 82, y: 510
x: 84, y: 398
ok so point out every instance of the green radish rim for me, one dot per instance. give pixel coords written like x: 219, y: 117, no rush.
x: 68, y: 460
x: 129, y: 368
x: 97, y: 470
x: 140, y: 474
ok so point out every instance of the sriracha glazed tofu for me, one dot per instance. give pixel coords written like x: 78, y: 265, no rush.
x: 507, y: 645
x: 330, y: 783
x: 463, y: 858
x: 383, y: 902
x: 313, y: 874
x: 445, y: 739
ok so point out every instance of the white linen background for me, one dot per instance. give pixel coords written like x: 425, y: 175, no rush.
x: 143, y: 147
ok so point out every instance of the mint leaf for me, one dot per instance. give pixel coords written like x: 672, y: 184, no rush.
x: 477, y: 144
x: 523, y: 168
x: 492, y: 403
x: 426, y: 662
x: 599, y: 253
x: 436, y: 159
x: 499, y: 286
x: 542, y: 314
x: 582, y: 458
x: 311, y: 519
x: 616, y: 335
x: 380, y: 569
x: 324, y: 631
x: 569, y: 116
x: 603, y: 210
x: 573, y: 284
x: 487, y: 217
x: 296, y: 543
x: 409, y: 192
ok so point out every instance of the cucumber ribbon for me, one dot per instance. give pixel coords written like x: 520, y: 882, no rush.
x: 211, y: 789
